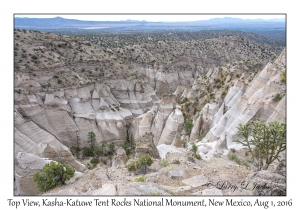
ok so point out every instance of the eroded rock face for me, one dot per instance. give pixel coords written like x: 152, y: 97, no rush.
x: 120, y: 159
x: 145, y: 146
x: 244, y: 103
x: 32, y: 139
x: 26, y: 165
x: 146, y: 105
x: 106, y: 109
x: 164, y: 149
x: 177, y: 140
x: 165, y: 108
x: 173, y: 125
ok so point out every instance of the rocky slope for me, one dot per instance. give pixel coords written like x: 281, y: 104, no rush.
x: 263, y: 98
x: 66, y: 87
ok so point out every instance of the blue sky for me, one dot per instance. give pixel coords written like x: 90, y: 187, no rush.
x: 118, y: 17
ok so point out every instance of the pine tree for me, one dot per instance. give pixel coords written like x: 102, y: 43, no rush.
x: 92, y: 139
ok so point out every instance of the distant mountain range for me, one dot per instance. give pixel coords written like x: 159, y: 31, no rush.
x: 215, y: 23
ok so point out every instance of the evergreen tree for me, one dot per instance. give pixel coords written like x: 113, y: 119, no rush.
x: 92, y: 139
x: 52, y: 175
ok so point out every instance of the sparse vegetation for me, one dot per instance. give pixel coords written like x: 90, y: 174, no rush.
x: 94, y: 161
x: 232, y: 150
x: 129, y: 145
x: 197, y: 156
x: 194, y: 148
x: 188, y: 126
x: 52, y: 175
x: 277, y: 97
x: 141, y: 163
x: 154, y: 193
x: 87, y: 151
x: 70, y: 74
x: 141, y: 179
x: 184, y: 144
x: 191, y: 159
x: 91, y: 139
x: 267, y: 142
x: 236, y: 159
x: 164, y: 162
x: 283, y: 76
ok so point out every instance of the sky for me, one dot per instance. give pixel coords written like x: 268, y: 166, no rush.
x: 154, y: 18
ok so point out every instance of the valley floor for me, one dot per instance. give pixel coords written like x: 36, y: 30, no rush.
x: 177, y: 176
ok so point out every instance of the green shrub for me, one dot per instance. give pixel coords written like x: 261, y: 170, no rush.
x: 87, y: 151
x: 129, y: 145
x: 75, y: 151
x: 198, y: 156
x: 94, y: 161
x: 184, y: 144
x: 184, y: 100
x: 266, y: 143
x: 191, y: 159
x: 141, y: 179
x: 59, y: 81
x: 232, y: 157
x: 194, y: 148
x: 283, y: 76
x: 188, y: 126
x: 164, y: 163
x: 96, y: 152
x: 277, y: 97
x: 131, y: 167
x: 126, y: 146
x: 236, y: 159
x: 137, y: 165
x: 154, y: 193
x: 52, y: 175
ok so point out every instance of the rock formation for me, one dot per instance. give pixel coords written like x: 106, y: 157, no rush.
x: 150, y: 98
x: 245, y: 102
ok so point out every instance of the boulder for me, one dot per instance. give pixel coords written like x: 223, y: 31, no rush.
x: 177, y: 174
x: 266, y: 183
x: 147, y: 189
x: 196, y: 181
x: 121, y: 154
x: 120, y: 158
